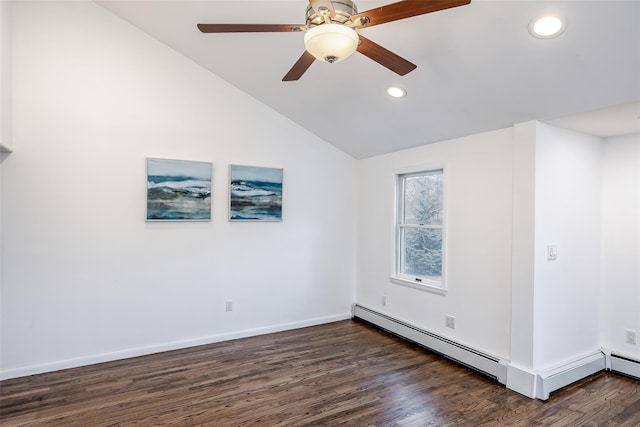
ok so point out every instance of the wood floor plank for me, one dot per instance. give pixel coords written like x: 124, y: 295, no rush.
x: 343, y: 373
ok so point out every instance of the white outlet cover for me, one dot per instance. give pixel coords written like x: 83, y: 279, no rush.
x: 450, y: 322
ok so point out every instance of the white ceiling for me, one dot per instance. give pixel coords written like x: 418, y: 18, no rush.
x: 478, y: 68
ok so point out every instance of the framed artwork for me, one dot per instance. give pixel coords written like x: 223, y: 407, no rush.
x: 255, y: 193
x: 178, y: 190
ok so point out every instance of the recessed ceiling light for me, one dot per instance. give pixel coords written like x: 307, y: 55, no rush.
x: 396, y: 92
x: 547, y: 26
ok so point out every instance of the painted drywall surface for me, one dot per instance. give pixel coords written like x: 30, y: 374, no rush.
x: 478, y: 197
x: 84, y: 277
x: 522, y: 271
x: 6, y: 140
x: 567, y: 214
x: 620, y: 297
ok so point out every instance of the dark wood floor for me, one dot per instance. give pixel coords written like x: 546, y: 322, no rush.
x: 343, y: 373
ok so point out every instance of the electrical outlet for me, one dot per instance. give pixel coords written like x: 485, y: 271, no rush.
x: 631, y: 337
x: 228, y: 305
x: 384, y: 300
x: 450, y: 322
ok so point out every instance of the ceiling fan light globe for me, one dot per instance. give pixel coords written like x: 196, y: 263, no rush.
x: 331, y: 42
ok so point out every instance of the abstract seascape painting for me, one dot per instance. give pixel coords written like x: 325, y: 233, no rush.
x: 178, y: 190
x: 255, y: 193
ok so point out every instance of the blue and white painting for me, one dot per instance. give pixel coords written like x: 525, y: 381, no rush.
x: 178, y: 190
x: 255, y: 193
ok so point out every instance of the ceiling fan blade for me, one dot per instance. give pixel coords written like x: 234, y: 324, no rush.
x: 250, y: 28
x: 320, y: 5
x: 299, y: 67
x: 403, y: 9
x: 385, y: 57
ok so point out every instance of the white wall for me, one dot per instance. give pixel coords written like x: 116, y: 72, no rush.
x: 522, y: 253
x: 84, y: 278
x: 6, y: 142
x: 567, y: 213
x: 478, y: 197
x: 557, y: 199
x: 621, y: 244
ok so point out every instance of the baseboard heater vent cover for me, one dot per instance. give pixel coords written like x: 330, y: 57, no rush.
x: 477, y: 360
x: 559, y: 377
x: 625, y: 366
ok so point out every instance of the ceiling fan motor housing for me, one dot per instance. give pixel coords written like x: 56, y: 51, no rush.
x: 343, y: 8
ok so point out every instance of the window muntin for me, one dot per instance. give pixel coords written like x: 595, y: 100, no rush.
x: 420, y: 228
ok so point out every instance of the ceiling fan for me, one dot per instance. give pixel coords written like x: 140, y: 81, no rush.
x: 330, y: 31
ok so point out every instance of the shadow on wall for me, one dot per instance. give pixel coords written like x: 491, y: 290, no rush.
x: 4, y: 155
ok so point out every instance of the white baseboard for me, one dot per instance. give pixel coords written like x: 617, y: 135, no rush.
x: 158, y: 348
x: 522, y: 380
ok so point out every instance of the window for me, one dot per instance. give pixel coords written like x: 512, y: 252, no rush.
x: 420, y: 229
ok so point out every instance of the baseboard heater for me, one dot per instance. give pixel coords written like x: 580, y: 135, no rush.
x: 552, y: 380
x: 561, y: 376
x: 472, y: 358
x: 625, y: 365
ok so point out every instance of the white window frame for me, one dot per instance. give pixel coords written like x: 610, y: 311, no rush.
x: 421, y: 283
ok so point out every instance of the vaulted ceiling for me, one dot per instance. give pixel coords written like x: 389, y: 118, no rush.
x: 479, y: 69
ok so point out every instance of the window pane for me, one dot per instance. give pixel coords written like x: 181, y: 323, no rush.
x: 421, y: 252
x: 423, y: 199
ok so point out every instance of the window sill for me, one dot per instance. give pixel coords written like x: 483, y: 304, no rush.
x: 420, y: 286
